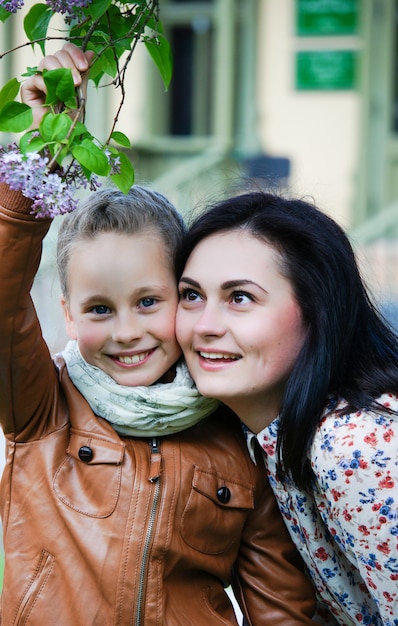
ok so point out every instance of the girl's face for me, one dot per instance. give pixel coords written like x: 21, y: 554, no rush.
x: 239, y: 324
x: 122, y: 304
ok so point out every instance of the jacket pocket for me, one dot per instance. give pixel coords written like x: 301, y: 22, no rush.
x: 88, y: 480
x: 215, y: 512
x: 34, y: 589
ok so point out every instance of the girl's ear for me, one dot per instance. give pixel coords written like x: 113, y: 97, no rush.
x: 69, y: 323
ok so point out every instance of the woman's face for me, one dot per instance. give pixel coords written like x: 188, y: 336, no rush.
x: 239, y: 324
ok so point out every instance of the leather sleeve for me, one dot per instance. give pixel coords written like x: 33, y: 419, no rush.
x: 27, y: 374
x: 269, y: 580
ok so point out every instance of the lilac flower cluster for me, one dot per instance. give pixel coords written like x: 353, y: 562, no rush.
x: 114, y: 161
x: 70, y: 8
x: 11, y: 6
x: 29, y: 174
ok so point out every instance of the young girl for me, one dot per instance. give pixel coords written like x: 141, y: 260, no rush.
x: 127, y: 498
x: 275, y: 321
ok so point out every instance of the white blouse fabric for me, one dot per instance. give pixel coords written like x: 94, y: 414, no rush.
x: 347, y: 529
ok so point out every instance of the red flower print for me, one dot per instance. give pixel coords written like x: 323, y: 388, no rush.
x: 376, y: 506
x: 336, y: 495
x: 347, y: 515
x: 384, y: 547
x: 387, y: 483
x: 321, y: 554
x: 371, y: 584
x: 364, y: 530
x: 388, y: 435
x: 269, y: 449
x: 370, y: 439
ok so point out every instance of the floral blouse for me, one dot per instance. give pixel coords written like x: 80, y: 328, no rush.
x: 347, y: 529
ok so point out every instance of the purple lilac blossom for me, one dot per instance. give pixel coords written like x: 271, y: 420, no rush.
x: 12, y: 6
x: 70, y: 8
x: 51, y: 194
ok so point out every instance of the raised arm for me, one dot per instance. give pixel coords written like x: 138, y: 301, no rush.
x: 27, y: 375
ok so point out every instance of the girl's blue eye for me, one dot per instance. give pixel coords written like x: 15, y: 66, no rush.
x: 147, y: 302
x: 101, y: 309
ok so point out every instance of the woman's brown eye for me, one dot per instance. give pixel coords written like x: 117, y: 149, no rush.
x: 241, y: 298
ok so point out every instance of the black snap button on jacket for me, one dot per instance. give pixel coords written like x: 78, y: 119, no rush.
x: 85, y: 454
x: 223, y: 495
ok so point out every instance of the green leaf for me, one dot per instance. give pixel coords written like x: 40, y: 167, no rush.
x: 30, y: 71
x: 55, y: 126
x: 160, y: 51
x: 91, y: 157
x: 4, y: 14
x: 15, y: 117
x: 46, y: 126
x: 61, y: 125
x: 79, y: 133
x: 25, y: 139
x: 97, y: 8
x: 36, y: 24
x: 105, y: 63
x: 125, y: 179
x: 9, y: 91
x: 60, y: 87
x: 121, y: 139
x: 37, y: 144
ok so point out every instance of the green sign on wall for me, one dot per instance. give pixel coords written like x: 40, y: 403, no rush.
x: 326, y: 17
x: 326, y: 69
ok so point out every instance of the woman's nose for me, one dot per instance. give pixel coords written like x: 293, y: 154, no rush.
x: 210, y: 321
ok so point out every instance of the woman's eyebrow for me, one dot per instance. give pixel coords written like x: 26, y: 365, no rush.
x: 231, y: 284
x: 189, y: 281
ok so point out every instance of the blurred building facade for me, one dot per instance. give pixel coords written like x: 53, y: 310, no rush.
x: 295, y: 95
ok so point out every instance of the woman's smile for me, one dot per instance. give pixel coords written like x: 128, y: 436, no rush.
x: 239, y: 325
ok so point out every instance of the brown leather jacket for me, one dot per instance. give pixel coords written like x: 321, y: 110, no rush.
x: 101, y: 530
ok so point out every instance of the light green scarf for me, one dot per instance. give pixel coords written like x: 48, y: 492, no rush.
x: 156, y: 410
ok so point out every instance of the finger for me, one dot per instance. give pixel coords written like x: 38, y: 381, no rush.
x: 33, y: 91
x: 80, y: 59
x: 50, y: 62
x: 64, y: 60
x: 79, y: 62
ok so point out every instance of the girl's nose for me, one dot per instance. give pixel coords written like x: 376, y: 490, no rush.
x: 126, y: 329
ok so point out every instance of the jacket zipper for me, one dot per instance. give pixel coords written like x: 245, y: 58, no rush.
x: 154, y: 477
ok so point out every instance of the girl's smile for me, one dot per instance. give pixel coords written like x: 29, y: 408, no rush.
x: 121, y: 306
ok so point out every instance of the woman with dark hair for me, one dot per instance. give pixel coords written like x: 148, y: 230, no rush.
x: 275, y: 321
